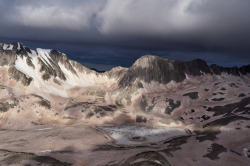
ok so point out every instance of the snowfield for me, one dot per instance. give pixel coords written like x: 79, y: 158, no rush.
x: 138, y: 134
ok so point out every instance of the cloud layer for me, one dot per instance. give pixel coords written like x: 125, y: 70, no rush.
x: 213, y: 25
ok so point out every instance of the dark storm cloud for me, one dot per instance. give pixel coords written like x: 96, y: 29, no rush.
x: 174, y: 25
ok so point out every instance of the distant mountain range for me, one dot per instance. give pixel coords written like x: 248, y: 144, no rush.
x: 26, y: 64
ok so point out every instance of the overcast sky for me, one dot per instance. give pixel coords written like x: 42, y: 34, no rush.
x: 116, y: 32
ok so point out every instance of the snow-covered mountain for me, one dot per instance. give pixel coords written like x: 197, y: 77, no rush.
x: 49, y: 70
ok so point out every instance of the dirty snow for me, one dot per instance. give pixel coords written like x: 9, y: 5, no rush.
x: 7, y: 47
x: 122, y: 134
x: 18, y: 46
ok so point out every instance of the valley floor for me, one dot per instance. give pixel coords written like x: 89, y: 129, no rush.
x: 81, y: 144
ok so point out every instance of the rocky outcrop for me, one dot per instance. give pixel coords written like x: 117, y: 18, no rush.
x: 218, y: 70
x: 5, y: 106
x: 152, y: 68
x: 117, y: 72
x: 19, y: 76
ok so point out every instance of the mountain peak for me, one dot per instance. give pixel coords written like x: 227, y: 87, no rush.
x: 153, y: 68
x: 147, y: 60
x: 15, y: 47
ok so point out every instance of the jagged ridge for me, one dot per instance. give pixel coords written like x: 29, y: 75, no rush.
x: 147, y: 68
x: 152, y: 68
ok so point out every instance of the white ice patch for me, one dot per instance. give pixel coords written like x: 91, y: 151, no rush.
x: 74, y: 80
x: 43, y: 54
x: 43, y: 129
x: 32, y: 54
x: 123, y: 133
x: 23, y: 67
x: 7, y: 47
x: 18, y: 46
x: 45, y: 151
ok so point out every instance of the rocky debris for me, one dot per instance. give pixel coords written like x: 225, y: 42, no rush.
x: 7, y: 58
x: 223, y: 89
x: 143, y: 104
x: 89, y: 115
x: 45, y: 103
x: 225, y: 121
x: 233, y: 85
x: 148, y: 106
x: 15, y: 158
x: 235, y: 152
x: 19, y: 76
x: 192, y: 95
x: 147, y: 158
x: 171, y: 105
x: 221, y: 93
x: 242, y: 95
x: 5, y: 106
x: 174, y: 145
x: 214, y: 151
x: 71, y: 104
x: 218, y: 99
x: 207, y: 133
x: 108, y: 108
x: 205, y: 117
x: 141, y: 119
x: 230, y: 108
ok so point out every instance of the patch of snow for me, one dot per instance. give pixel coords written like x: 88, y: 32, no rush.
x: 122, y: 133
x: 23, y: 67
x: 43, y: 129
x: 18, y: 46
x: 45, y: 151
x: 32, y: 54
x: 75, y: 80
x: 7, y: 47
x: 43, y: 54
x: 157, y: 161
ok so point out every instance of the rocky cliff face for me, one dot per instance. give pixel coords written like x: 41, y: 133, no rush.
x: 152, y: 68
x: 230, y: 70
